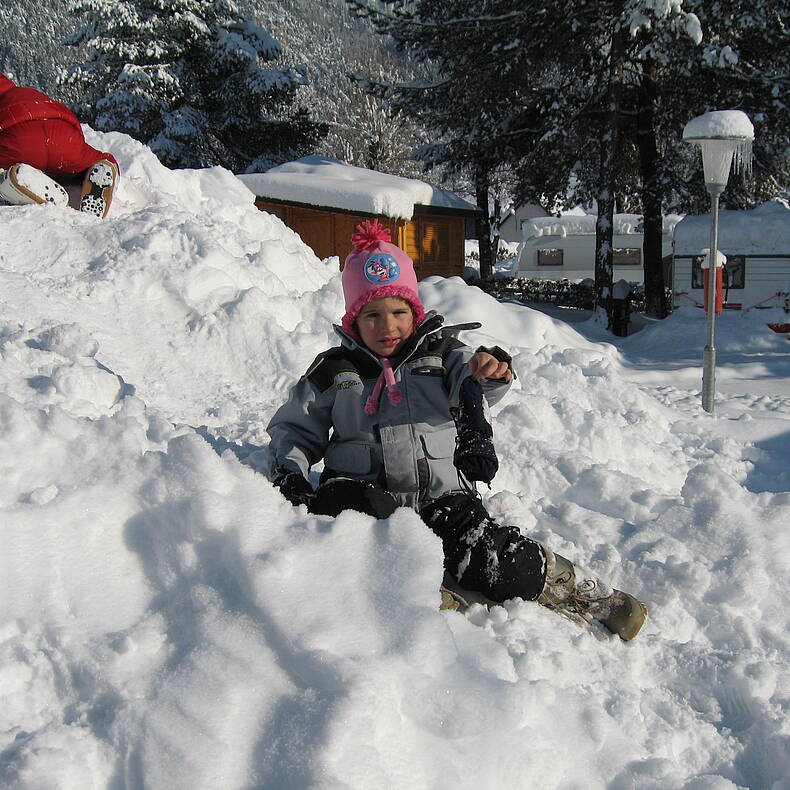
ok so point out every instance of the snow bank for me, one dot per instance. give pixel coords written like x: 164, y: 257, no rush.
x: 168, y: 620
x: 187, y: 270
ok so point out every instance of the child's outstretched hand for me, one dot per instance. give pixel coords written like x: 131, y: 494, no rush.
x: 483, y: 365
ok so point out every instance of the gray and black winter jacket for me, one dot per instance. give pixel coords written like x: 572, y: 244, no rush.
x: 408, y: 447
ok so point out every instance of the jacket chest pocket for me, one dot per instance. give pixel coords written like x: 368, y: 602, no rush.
x: 439, y: 444
x: 434, y: 371
x: 427, y: 390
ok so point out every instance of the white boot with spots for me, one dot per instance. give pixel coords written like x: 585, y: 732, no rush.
x: 98, y: 187
x: 23, y: 185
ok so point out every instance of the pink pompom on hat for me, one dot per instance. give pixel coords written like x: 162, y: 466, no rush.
x: 375, y: 269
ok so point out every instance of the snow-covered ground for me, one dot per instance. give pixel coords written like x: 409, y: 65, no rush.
x: 167, y: 620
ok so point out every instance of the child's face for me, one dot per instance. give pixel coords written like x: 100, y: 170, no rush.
x: 383, y: 324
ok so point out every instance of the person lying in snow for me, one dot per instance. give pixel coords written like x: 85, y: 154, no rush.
x: 42, y: 146
x: 423, y: 444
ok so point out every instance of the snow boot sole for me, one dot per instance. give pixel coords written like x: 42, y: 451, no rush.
x: 24, y: 185
x: 451, y: 601
x: 626, y: 615
x: 97, y: 188
x: 456, y: 599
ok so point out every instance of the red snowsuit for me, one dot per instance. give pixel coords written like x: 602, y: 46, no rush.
x: 38, y: 131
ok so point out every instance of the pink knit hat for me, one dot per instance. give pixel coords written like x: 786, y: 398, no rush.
x: 377, y: 269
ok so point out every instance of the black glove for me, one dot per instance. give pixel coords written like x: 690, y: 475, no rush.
x: 294, y: 487
x: 474, y: 456
x: 339, y: 494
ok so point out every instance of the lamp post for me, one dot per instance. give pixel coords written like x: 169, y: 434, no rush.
x: 723, y: 136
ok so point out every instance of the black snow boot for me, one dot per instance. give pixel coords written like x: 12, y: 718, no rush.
x: 482, y: 555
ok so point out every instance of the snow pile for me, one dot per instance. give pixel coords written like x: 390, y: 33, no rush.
x: 318, y: 181
x: 168, y: 620
x: 188, y: 289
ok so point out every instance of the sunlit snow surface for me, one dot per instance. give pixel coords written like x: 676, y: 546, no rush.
x: 167, y: 620
x: 319, y: 181
x: 719, y: 123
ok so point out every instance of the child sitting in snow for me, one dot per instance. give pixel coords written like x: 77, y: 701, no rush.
x: 423, y: 444
x: 40, y: 141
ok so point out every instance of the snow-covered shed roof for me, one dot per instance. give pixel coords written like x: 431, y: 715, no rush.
x: 764, y: 230
x: 326, y: 183
x: 584, y: 225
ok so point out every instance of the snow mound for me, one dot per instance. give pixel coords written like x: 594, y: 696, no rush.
x: 719, y: 124
x: 168, y: 620
x: 184, y: 267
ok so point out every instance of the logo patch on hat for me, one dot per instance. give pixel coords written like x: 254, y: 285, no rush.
x: 381, y: 269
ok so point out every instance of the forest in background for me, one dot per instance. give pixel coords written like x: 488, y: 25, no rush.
x: 319, y: 35
x: 559, y: 106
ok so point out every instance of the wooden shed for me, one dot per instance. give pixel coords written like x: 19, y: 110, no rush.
x: 324, y: 200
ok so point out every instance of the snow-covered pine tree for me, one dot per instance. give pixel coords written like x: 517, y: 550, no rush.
x: 364, y: 130
x: 193, y: 79
x: 536, y: 87
x: 742, y: 64
x: 30, y: 50
x: 469, y: 94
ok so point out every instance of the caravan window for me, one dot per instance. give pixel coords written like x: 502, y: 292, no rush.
x: 550, y: 257
x: 627, y: 256
x: 734, y: 272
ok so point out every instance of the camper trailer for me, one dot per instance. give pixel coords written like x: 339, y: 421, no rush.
x: 563, y: 248
x: 756, y: 244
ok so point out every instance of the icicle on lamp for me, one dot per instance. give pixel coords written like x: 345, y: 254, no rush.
x: 724, y: 137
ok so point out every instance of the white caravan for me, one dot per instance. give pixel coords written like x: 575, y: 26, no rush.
x: 756, y: 244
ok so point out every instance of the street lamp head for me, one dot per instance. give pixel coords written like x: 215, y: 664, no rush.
x: 722, y: 135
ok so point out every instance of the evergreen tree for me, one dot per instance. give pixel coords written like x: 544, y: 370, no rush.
x: 31, y: 53
x: 465, y: 100
x: 740, y: 64
x: 585, y: 101
x: 345, y: 54
x: 363, y: 129
x: 193, y: 79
